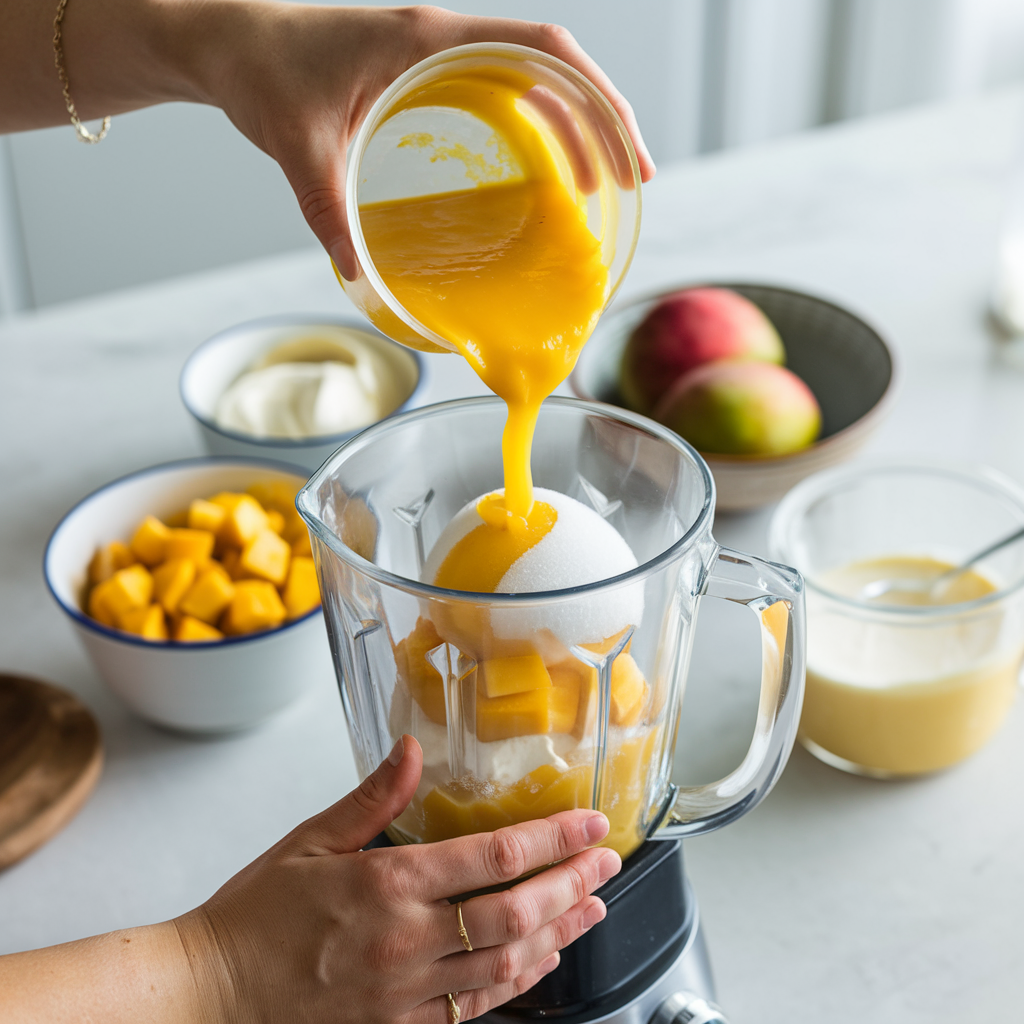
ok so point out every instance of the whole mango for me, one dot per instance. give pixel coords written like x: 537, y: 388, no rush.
x: 742, y: 409
x: 687, y: 329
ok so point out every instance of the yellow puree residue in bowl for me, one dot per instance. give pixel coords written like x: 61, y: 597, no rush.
x: 902, y: 694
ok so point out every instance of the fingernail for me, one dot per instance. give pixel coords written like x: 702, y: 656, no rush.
x: 593, y: 915
x: 597, y: 827
x: 397, y: 753
x: 548, y: 964
x: 608, y: 865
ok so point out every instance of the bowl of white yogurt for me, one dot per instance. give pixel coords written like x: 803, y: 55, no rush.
x: 296, y: 388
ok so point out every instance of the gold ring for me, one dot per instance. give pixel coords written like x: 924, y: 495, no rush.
x: 454, y: 1013
x: 463, y: 934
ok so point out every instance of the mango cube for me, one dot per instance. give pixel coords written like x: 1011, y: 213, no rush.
x: 256, y: 605
x: 550, y: 709
x: 266, y: 557
x: 99, y: 607
x: 205, y: 515
x: 207, y: 598
x: 230, y: 560
x: 629, y: 691
x: 126, y: 589
x: 301, y: 592
x: 245, y: 518
x: 196, y: 545
x: 448, y: 814
x: 275, y: 521
x: 274, y: 494
x: 170, y: 582
x: 502, y: 676
x: 150, y: 541
x: 422, y: 679
x: 149, y: 623
x: 191, y: 630
x: 108, y: 560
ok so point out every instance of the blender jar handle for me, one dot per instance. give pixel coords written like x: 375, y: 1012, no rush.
x: 774, y: 593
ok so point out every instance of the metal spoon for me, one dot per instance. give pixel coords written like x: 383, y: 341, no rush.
x: 877, y: 588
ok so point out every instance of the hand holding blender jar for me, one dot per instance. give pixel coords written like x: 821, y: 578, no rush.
x: 534, y: 640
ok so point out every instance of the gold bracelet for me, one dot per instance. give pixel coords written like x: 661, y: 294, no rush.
x: 58, y: 59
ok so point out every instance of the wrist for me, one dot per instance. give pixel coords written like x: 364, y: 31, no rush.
x: 196, y: 42
x: 209, y: 976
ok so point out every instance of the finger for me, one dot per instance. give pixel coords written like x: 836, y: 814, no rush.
x: 490, y: 858
x: 514, y: 914
x: 499, y: 965
x: 475, y: 1002
x: 355, y: 819
x: 559, y: 42
x: 316, y: 173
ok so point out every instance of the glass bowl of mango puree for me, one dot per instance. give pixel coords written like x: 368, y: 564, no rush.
x: 481, y: 156
x: 907, y: 682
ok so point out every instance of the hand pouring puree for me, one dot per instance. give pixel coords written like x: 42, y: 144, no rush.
x: 510, y: 274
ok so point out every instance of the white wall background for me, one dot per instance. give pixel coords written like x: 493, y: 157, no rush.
x: 175, y: 189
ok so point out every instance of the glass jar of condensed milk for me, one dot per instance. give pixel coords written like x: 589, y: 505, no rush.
x: 905, y: 677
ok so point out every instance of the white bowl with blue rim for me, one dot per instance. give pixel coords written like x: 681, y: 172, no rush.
x: 211, y: 687
x: 221, y: 360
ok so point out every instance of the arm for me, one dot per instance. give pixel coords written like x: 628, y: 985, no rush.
x: 296, y: 79
x: 318, y: 930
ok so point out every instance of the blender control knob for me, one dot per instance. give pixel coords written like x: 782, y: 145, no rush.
x: 688, y: 1008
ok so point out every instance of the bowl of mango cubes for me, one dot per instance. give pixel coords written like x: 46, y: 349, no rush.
x: 193, y: 589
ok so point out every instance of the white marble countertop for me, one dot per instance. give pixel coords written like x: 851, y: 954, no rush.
x: 840, y: 898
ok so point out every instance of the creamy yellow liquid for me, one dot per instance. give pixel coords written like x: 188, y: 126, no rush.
x: 907, y: 699
x: 510, y: 275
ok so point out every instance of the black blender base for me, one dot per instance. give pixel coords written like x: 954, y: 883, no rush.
x: 645, y: 960
x: 682, y: 994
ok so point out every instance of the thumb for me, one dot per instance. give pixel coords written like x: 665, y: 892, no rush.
x: 355, y: 819
x: 318, y: 180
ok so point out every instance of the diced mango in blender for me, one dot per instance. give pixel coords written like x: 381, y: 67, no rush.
x: 301, y: 592
x: 266, y: 557
x: 551, y: 709
x: 275, y: 521
x: 148, y: 622
x: 302, y: 544
x: 502, y: 676
x: 108, y: 560
x: 582, y: 679
x: 207, y: 598
x: 422, y: 679
x: 629, y: 691
x: 184, y: 542
x: 447, y: 814
x: 192, y: 630
x: 256, y: 605
x: 206, y: 515
x: 529, y: 788
x: 245, y: 518
x: 564, y: 791
x: 150, y: 541
x: 171, y: 580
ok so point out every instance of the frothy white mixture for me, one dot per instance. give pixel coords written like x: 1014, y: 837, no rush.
x: 581, y: 548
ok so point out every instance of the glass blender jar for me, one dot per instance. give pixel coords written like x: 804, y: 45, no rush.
x: 609, y: 659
